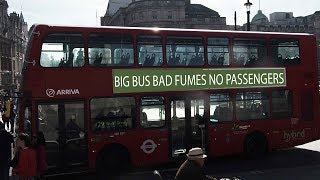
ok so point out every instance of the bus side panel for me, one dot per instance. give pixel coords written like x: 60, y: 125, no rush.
x: 150, y: 147
x: 145, y: 147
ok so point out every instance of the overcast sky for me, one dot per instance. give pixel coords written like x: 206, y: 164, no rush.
x: 88, y: 12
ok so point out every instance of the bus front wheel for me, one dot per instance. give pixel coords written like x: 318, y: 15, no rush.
x: 255, y: 145
x: 112, y: 161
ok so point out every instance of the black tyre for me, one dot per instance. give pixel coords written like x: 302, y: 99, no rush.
x: 255, y: 145
x: 112, y: 162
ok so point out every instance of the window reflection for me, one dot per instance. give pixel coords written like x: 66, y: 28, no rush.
x: 62, y: 50
x: 112, y: 114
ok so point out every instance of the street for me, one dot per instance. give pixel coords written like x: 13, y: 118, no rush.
x: 301, y: 162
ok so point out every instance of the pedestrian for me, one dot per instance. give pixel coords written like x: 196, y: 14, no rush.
x: 192, y: 168
x: 14, y: 161
x: 40, y: 147
x: 6, y: 141
x: 26, y: 168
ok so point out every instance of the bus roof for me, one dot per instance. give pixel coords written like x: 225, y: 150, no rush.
x: 173, y: 29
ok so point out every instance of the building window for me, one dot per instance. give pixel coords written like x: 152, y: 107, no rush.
x: 141, y: 15
x: 154, y: 15
x: 170, y: 15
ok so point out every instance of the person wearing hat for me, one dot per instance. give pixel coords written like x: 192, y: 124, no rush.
x: 192, y: 168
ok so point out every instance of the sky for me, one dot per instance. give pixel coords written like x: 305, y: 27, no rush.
x: 88, y: 12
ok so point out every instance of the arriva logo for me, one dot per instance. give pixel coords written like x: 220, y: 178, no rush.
x: 52, y: 92
x: 293, y: 135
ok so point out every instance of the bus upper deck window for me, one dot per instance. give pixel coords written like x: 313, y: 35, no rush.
x: 285, y: 52
x: 150, y: 51
x: 110, y: 50
x: 218, y: 51
x: 250, y: 52
x: 62, y: 50
x: 185, y: 51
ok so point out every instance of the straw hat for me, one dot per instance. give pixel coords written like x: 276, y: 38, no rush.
x: 196, y: 153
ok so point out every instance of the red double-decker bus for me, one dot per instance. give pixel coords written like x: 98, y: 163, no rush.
x: 110, y: 97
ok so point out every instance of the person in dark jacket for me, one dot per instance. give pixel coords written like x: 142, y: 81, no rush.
x: 6, y: 141
x: 72, y: 129
x: 192, y: 168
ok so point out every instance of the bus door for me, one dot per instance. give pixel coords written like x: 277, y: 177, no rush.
x: 64, y: 127
x: 187, y: 124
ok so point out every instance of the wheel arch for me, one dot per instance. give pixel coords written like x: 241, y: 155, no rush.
x: 256, y: 134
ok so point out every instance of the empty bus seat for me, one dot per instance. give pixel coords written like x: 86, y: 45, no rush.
x: 193, y: 61
x: 214, y: 60
x: 240, y: 60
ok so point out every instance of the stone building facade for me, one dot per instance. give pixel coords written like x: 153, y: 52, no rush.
x: 13, y: 38
x: 164, y: 13
x: 286, y: 22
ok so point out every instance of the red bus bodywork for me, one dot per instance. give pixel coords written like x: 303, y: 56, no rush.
x: 223, y: 138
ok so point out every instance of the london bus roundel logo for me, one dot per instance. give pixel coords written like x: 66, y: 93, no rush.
x: 50, y: 92
x: 148, y: 146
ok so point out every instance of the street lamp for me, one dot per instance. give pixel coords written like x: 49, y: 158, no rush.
x: 248, y: 4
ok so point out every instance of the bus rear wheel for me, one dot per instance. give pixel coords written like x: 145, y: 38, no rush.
x: 112, y: 161
x: 255, y: 145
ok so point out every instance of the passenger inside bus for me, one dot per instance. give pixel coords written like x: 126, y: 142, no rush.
x: 221, y: 60
x: 70, y: 60
x: 124, y: 59
x: 222, y: 114
x: 62, y: 62
x: 98, y: 60
x: 149, y: 61
x: 251, y: 61
x: 72, y: 128
x: 80, y: 59
x: 144, y: 119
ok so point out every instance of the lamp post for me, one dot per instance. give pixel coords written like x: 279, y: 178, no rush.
x: 248, y: 4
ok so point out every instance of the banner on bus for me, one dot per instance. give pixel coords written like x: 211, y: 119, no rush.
x: 184, y: 79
